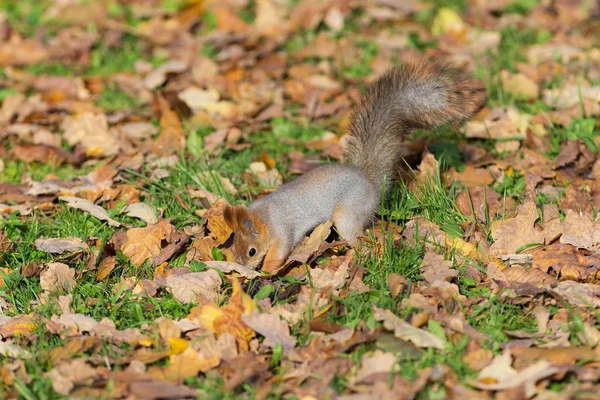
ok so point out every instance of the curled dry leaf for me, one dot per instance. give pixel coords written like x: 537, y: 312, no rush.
x: 305, y: 250
x: 272, y: 327
x: 187, y: 287
x: 63, y: 245
x: 86, y: 205
x: 405, y: 331
x: 105, y: 267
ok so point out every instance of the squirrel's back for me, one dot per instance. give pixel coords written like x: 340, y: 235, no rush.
x: 413, y: 96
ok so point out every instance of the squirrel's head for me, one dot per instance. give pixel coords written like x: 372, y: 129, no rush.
x: 249, y: 236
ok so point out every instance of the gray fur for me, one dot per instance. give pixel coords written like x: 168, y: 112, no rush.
x: 413, y: 96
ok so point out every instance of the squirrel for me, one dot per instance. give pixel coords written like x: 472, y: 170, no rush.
x: 412, y: 96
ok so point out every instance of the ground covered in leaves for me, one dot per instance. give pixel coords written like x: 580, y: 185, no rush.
x: 126, y: 126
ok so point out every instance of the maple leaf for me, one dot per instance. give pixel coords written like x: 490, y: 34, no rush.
x: 145, y: 243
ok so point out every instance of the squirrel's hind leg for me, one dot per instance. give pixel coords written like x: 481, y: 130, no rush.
x: 349, y: 223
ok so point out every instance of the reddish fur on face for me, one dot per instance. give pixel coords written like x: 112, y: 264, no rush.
x: 249, y: 232
x: 240, y: 219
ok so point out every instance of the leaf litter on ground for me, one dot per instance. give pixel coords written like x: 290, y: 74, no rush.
x: 127, y: 128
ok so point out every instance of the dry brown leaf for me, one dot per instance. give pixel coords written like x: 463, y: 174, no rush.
x: 215, y: 220
x: 11, y: 350
x: 436, y: 268
x: 172, y: 137
x: 513, y: 233
x: 105, y: 267
x: 305, y: 250
x: 272, y: 327
x: 500, y: 375
x: 566, y: 261
x: 92, y: 132
x: 374, y: 364
x: 405, y: 331
x: 59, y: 246
x: 145, y: 243
x: 228, y: 267
x: 154, y: 389
x: 19, y: 325
x: 327, y: 278
x: 188, y: 287
x: 85, y: 205
x: 159, y: 76
x: 396, y: 284
x: 519, y: 85
x: 57, y: 277
x: 75, y: 346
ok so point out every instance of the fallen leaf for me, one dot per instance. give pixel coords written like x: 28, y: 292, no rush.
x: 272, y: 328
x: 500, y: 375
x: 188, y: 287
x: 105, y: 267
x: 405, y: 331
x: 57, y: 277
x: 92, y: 132
x: 143, y: 211
x: 85, y: 205
x: 13, y: 351
x: 513, y: 233
x: 519, y: 85
x: 228, y: 267
x: 172, y: 137
x: 70, y: 244
x: 215, y: 221
x: 436, y: 268
x: 158, y: 76
x: 155, y: 389
x: 227, y: 318
x: 145, y: 243
x: 184, y: 365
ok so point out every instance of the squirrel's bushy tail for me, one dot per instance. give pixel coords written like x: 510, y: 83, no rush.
x: 413, y: 96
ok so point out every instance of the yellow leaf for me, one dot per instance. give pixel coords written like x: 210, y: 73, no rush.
x: 447, y: 21
x: 177, y: 345
x: 465, y: 249
x: 146, y: 342
x: 184, y: 365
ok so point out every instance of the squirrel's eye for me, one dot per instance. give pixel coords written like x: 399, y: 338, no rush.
x: 252, y: 252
